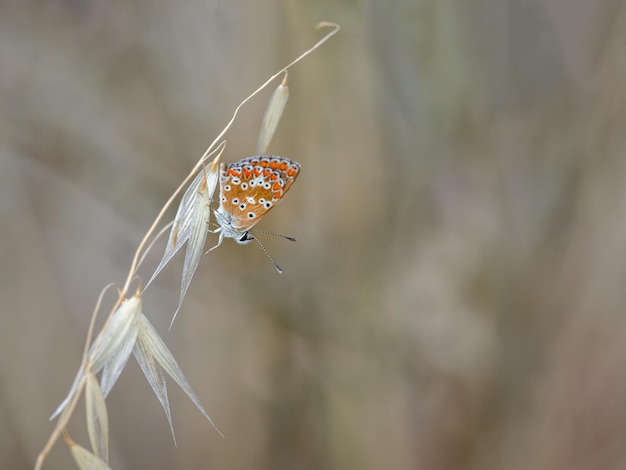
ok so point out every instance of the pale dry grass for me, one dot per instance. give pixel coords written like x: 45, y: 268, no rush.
x: 455, y: 297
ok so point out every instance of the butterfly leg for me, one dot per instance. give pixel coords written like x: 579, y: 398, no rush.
x: 219, y: 241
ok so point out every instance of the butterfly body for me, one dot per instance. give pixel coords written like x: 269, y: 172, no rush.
x: 249, y: 189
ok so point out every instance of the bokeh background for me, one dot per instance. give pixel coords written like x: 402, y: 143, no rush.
x: 457, y: 295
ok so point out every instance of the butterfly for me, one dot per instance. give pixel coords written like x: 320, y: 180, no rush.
x: 249, y: 189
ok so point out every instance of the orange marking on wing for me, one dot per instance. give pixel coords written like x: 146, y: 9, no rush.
x: 263, y: 163
x: 283, y: 166
x: 274, y: 164
x: 267, y: 172
x: 247, y: 172
x: 274, y: 176
x: 257, y: 171
x: 276, y: 186
x: 292, y: 172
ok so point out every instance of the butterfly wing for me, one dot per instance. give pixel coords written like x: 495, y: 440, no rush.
x: 251, y: 187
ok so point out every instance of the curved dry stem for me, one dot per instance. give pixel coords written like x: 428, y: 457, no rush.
x: 138, y: 257
x: 209, y: 151
x: 323, y: 24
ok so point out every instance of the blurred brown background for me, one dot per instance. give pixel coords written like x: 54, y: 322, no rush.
x: 456, y: 298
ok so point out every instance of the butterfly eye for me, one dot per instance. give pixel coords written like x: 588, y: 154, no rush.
x: 251, y: 215
x: 242, y: 206
x: 268, y: 205
x: 251, y: 183
x: 267, y: 186
x: 227, y: 187
x: 244, y: 186
x: 236, y: 200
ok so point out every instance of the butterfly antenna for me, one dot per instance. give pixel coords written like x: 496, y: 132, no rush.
x: 280, y: 271
x: 275, y: 234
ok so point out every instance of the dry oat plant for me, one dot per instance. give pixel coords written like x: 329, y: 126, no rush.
x: 127, y: 330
